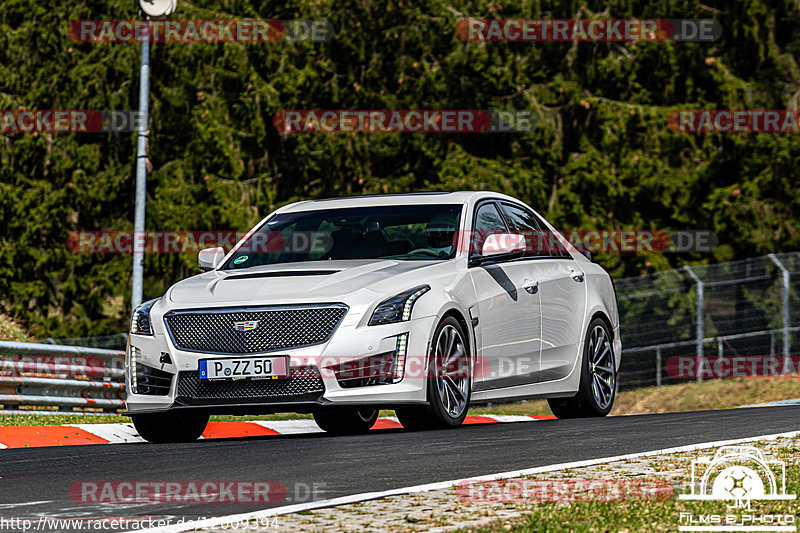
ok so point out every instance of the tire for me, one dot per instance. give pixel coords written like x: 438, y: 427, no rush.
x: 449, y: 386
x: 172, y: 426
x: 346, y: 421
x: 598, y: 382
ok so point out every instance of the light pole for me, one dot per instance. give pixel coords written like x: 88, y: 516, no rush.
x: 152, y: 9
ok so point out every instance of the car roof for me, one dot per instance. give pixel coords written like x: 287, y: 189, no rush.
x: 414, y: 198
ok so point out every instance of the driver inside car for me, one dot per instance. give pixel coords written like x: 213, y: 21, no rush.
x: 441, y: 232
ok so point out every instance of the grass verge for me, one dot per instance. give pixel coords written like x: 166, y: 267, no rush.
x: 659, y: 515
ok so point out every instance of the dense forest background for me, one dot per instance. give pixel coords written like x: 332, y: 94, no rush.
x: 601, y: 157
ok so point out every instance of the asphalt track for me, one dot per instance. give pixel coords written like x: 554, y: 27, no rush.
x: 35, y: 482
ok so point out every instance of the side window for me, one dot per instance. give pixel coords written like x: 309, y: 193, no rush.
x: 554, y: 246
x: 487, y: 222
x: 540, y: 240
x: 524, y: 222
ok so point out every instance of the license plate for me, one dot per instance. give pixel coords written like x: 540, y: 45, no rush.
x: 244, y: 368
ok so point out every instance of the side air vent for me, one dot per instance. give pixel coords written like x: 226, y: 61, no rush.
x: 152, y: 381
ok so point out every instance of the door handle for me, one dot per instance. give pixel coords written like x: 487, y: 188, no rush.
x: 577, y: 276
x: 530, y: 285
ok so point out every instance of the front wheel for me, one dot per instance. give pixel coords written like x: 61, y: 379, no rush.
x: 449, y: 385
x: 171, y: 426
x: 346, y: 421
x: 598, y: 385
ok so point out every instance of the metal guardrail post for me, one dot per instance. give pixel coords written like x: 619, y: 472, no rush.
x: 785, y: 307
x: 658, y: 367
x: 699, y: 326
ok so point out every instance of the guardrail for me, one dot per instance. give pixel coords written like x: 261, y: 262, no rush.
x: 67, y: 377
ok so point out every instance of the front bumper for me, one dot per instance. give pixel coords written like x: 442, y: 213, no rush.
x: 312, y: 382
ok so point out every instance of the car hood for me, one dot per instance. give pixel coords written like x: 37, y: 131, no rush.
x: 322, y: 281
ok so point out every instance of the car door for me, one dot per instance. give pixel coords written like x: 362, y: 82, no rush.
x: 562, y: 289
x: 508, y: 311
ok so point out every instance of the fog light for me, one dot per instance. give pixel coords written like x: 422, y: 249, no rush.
x: 399, y: 366
x: 135, y: 352
x: 382, y: 369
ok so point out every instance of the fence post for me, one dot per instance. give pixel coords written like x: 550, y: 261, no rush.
x: 658, y: 367
x: 699, y: 327
x: 785, y: 307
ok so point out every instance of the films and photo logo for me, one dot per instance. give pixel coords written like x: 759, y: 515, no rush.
x: 737, y: 475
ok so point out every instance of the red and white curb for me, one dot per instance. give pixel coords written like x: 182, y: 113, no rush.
x: 81, y: 434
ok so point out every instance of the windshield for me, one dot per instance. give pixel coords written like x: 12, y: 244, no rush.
x: 404, y: 232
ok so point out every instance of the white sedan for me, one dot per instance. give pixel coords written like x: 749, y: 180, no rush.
x: 424, y: 303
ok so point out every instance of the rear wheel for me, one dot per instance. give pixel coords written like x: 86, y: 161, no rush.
x: 346, y: 421
x: 172, y: 426
x: 598, y: 385
x: 449, y: 385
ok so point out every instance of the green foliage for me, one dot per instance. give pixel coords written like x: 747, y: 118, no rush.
x: 601, y: 156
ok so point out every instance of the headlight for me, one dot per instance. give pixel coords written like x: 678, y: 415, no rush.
x: 140, y: 321
x: 397, y: 308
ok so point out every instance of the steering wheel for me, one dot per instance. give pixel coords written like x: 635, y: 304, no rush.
x: 425, y: 251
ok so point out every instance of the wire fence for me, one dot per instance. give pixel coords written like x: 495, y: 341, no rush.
x: 713, y: 321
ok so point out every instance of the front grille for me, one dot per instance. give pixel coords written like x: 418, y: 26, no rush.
x: 277, y: 328
x: 152, y: 381
x: 303, y: 384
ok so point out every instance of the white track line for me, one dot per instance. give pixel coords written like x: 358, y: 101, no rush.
x: 296, y: 508
x: 23, y: 504
x: 780, y: 403
x: 512, y: 418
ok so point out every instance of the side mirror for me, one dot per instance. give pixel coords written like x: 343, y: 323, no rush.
x: 503, y: 243
x: 587, y: 254
x: 210, y: 258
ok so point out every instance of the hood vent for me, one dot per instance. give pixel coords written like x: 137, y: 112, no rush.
x: 283, y: 274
